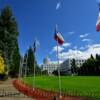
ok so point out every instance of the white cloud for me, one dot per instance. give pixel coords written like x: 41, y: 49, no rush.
x: 70, y: 54
x: 98, y: 1
x: 59, y: 49
x: 58, y: 5
x: 84, y: 35
x: 66, y: 44
x: 75, y: 47
x: 82, y: 48
x: 71, y: 32
x: 92, y: 49
x: 86, y: 40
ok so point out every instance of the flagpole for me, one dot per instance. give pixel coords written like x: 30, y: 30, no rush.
x: 59, y: 71
x: 34, y: 74
x: 34, y: 50
x: 26, y: 64
x: 20, y: 69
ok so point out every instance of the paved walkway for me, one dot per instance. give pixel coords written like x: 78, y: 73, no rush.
x: 8, y: 92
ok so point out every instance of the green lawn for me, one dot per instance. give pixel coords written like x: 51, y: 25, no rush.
x: 87, y: 86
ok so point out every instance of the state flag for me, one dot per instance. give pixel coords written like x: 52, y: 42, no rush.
x: 98, y: 23
x: 58, y: 37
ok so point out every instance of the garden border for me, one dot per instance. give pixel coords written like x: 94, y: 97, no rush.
x: 41, y: 94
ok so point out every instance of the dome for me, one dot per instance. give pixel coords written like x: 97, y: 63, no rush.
x: 46, y: 60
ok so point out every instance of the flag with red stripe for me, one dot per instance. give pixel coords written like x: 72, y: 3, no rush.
x: 58, y: 37
x: 98, y: 23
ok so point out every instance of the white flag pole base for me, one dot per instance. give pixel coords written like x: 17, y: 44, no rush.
x: 33, y: 89
x: 60, y: 96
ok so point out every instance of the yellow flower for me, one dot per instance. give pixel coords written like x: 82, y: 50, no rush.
x: 2, y: 66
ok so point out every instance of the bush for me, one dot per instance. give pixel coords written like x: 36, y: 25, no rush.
x: 3, y: 75
x: 2, y: 66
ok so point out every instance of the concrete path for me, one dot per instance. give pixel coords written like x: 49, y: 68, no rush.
x: 8, y: 92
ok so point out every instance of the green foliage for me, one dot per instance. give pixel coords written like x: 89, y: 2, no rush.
x: 91, y: 66
x: 3, y: 75
x: 45, y: 72
x: 2, y: 66
x: 29, y: 56
x: 30, y: 61
x: 9, y: 39
x: 15, y: 61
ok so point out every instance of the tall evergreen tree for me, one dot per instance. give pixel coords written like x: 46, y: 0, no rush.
x: 30, y: 62
x: 91, y: 57
x: 8, y: 36
x: 15, y: 62
x: 97, y: 61
x: 89, y: 67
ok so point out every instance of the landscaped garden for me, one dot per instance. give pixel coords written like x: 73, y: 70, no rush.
x: 85, y: 86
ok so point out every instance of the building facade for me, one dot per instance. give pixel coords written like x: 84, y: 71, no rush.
x: 49, y: 66
x: 65, y: 67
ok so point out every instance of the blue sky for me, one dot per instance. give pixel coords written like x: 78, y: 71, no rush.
x: 76, y: 21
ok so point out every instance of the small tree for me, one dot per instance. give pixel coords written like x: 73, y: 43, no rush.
x: 2, y: 66
x: 3, y: 74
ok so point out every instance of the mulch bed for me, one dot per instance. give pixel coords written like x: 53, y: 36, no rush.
x: 40, y: 94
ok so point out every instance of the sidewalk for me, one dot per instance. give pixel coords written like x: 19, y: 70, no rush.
x: 8, y: 92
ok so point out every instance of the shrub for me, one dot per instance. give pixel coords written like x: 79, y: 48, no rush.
x: 2, y: 66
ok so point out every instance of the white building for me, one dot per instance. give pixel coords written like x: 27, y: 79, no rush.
x: 65, y: 67
x: 49, y: 66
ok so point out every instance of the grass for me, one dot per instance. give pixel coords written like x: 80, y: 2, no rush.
x: 86, y: 86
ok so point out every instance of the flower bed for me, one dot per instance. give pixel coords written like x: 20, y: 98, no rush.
x: 40, y: 94
x: 27, y: 90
